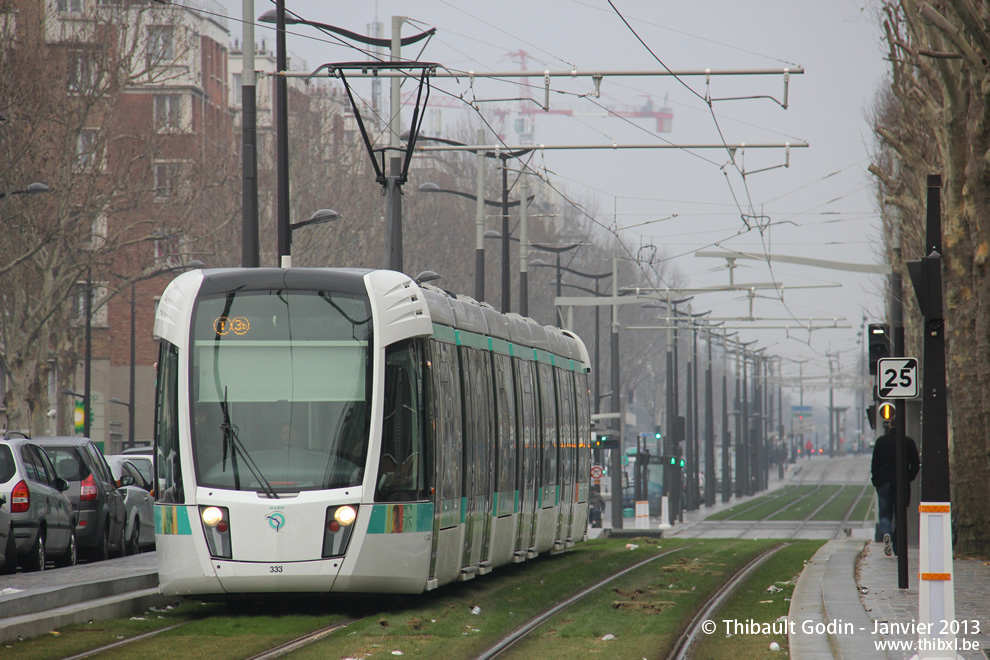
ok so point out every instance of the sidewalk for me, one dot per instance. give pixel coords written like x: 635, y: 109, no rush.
x: 853, y: 583
x: 876, y: 579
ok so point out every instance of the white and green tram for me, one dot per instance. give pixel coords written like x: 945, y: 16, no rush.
x: 343, y: 430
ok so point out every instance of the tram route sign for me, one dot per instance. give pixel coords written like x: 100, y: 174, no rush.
x: 802, y: 419
x: 897, y: 378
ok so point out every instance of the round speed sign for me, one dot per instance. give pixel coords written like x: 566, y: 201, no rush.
x: 597, y: 471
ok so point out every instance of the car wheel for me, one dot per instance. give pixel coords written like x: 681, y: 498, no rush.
x: 70, y: 556
x: 131, y: 546
x: 10, y: 554
x: 101, y: 551
x: 35, y: 558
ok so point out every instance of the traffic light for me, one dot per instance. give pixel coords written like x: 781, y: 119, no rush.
x: 682, y: 462
x: 657, y: 433
x: 879, y: 344
x: 887, y: 411
x: 871, y: 415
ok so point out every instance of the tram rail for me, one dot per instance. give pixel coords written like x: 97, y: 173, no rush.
x: 522, y: 632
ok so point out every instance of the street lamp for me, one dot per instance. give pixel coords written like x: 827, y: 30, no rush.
x: 503, y: 157
x: 597, y: 277
x: 479, y: 270
x: 319, y: 217
x: 557, y: 250
x: 31, y: 189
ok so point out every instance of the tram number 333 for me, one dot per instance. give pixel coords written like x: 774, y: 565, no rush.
x: 897, y: 378
x: 274, y: 568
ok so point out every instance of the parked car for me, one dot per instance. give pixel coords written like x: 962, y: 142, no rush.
x: 99, y: 506
x: 145, y: 465
x: 139, y: 532
x: 8, y: 546
x: 140, y: 449
x: 44, y: 521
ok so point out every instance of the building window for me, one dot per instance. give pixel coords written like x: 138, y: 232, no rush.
x: 82, y: 75
x: 86, y: 151
x: 70, y: 6
x: 160, y: 44
x: 238, y: 98
x: 168, y: 251
x: 167, y: 112
x: 99, y: 236
x: 166, y: 179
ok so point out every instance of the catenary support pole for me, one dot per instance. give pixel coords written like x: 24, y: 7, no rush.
x: 250, y: 248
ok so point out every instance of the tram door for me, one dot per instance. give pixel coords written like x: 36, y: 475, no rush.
x: 444, y: 406
x: 568, y: 451
x: 526, y: 456
x: 477, y: 405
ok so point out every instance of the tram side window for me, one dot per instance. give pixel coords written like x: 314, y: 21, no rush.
x: 167, y: 468
x: 530, y: 431
x: 401, y: 472
x: 583, y: 428
x: 549, y: 412
x: 565, y: 426
x: 446, y: 415
x: 505, y: 424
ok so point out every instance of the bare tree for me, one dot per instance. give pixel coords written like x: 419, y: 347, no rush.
x: 115, y: 214
x: 935, y: 120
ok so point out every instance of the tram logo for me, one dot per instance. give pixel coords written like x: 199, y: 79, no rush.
x: 276, y: 521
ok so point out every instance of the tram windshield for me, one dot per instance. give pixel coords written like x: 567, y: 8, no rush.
x: 280, y: 390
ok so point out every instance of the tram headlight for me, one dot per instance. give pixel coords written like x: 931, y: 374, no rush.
x: 337, y: 529
x: 212, y: 515
x: 345, y: 515
x: 216, y: 528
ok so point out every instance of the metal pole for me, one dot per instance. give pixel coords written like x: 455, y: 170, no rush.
x: 87, y: 367
x: 556, y: 308
x: 250, y: 249
x: 505, y: 237
x: 696, y: 438
x: 747, y: 488
x: 281, y: 134
x: 615, y: 402
x: 479, y: 224
x: 393, y: 187
x: 524, y: 253
x: 598, y: 361
x: 689, y: 431
x: 726, y: 436
x: 709, y: 430
x: 130, y: 389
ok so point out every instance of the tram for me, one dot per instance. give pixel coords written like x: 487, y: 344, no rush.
x: 346, y: 430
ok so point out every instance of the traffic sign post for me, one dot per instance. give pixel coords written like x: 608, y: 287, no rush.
x: 897, y: 378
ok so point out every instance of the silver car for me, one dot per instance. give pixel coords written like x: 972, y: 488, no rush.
x: 8, y: 546
x: 44, y: 521
x: 139, y: 530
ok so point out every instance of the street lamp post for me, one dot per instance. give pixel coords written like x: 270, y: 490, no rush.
x: 557, y: 250
x: 88, y: 351
x: 597, y: 277
x: 479, y: 272
x: 31, y: 189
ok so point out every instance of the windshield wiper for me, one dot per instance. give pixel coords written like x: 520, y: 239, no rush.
x: 230, y: 437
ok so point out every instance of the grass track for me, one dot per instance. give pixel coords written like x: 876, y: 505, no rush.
x: 753, y: 602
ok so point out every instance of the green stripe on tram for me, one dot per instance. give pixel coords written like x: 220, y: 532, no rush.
x: 500, y: 346
x: 445, y: 333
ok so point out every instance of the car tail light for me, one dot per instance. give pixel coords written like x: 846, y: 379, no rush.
x: 88, y: 489
x: 337, y: 529
x: 20, y: 498
x: 216, y: 527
